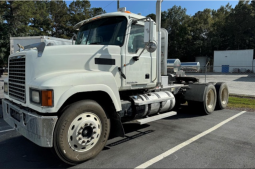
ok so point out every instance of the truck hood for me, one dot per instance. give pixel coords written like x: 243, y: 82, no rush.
x: 70, y: 58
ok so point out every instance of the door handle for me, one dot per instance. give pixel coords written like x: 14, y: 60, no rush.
x: 122, y: 74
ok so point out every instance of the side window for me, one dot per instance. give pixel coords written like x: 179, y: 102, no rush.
x: 136, y: 38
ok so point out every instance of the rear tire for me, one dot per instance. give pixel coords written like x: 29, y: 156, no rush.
x: 209, y: 103
x: 81, y: 132
x: 222, y: 95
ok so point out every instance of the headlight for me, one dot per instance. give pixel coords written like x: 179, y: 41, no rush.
x: 6, y: 86
x: 35, y: 96
x: 41, y: 97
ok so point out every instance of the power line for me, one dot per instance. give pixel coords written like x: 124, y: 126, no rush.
x: 108, y: 4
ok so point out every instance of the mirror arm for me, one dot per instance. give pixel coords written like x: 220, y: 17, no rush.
x: 136, y: 58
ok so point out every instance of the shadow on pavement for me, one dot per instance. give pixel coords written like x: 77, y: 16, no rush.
x: 18, y: 152
x: 185, y: 112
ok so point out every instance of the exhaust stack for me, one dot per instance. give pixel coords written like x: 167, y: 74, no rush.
x: 158, y: 27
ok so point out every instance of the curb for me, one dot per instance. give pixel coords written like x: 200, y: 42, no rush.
x: 242, y: 95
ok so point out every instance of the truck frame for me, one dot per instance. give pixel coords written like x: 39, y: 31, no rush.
x: 71, y: 97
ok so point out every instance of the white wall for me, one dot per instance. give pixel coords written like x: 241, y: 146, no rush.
x: 233, y: 58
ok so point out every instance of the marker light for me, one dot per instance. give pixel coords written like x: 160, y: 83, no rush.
x: 41, y: 97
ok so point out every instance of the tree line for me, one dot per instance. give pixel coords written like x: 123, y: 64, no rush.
x: 227, y: 28
x: 40, y: 18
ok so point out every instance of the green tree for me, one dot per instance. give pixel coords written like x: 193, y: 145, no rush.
x: 40, y: 22
x: 152, y: 16
x: 59, y: 18
x: 240, y: 26
x: 15, y: 19
x: 96, y: 11
x: 176, y: 22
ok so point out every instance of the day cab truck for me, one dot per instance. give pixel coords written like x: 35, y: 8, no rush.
x: 71, y: 97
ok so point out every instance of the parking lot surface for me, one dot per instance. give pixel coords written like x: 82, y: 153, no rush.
x: 229, y: 146
x: 237, y: 83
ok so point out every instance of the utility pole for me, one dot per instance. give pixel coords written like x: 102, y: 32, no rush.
x: 118, y: 4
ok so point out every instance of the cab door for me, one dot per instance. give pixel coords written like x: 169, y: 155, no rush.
x: 140, y: 73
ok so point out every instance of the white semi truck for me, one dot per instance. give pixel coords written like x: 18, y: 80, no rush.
x: 70, y: 97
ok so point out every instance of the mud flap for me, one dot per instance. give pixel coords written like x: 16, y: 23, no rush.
x: 195, y: 92
x: 117, y: 129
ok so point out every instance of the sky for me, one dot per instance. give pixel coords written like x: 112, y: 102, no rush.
x: 146, y: 7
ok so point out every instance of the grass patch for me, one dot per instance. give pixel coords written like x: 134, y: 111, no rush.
x: 241, y: 103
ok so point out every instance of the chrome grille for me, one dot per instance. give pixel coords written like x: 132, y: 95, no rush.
x: 17, y: 68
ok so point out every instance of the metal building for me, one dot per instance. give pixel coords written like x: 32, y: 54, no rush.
x: 203, y: 61
x: 235, y: 61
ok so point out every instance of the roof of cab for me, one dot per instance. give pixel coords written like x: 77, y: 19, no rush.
x: 131, y: 15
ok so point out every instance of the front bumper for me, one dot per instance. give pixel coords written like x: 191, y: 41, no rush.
x: 37, y: 128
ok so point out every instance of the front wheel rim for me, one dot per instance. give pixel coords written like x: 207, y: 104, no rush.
x: 84, y: 132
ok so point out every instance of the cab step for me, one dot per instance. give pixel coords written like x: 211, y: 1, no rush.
x: 156, y: 117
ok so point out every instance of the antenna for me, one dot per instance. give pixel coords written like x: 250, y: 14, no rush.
x: 118, y: 4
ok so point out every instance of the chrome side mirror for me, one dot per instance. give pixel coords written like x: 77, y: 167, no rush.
x: 150, y: 35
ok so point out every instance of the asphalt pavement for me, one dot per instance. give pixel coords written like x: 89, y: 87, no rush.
x: 229, y: 146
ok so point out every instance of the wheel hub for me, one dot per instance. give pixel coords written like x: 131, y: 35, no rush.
x: 87, y: 132
x: 84, y: 132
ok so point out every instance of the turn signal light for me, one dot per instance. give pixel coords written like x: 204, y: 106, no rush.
x: 47, y: 99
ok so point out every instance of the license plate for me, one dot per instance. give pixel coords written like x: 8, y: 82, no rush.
x: 15, y: 114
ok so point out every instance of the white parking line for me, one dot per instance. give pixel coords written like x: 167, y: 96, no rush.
x: 178, y: 147
x: 6, y: 130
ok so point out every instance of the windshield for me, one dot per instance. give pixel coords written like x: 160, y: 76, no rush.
x: 106, y: 31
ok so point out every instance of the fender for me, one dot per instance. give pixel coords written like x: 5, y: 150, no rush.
x: 89, y: 88
x: 66, y: 84
x: 196, y: 92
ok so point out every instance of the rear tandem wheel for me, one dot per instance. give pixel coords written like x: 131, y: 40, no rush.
x: 209, y: 103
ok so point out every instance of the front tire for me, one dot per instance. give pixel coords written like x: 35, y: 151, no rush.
x: 81, y: 132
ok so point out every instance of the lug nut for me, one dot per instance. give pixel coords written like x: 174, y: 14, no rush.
x: 86, y: 124
x: 80, y: 138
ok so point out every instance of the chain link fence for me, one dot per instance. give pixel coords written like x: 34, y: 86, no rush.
x: 219, y: 69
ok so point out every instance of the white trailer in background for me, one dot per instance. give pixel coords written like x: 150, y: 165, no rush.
x: 233, y: 61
